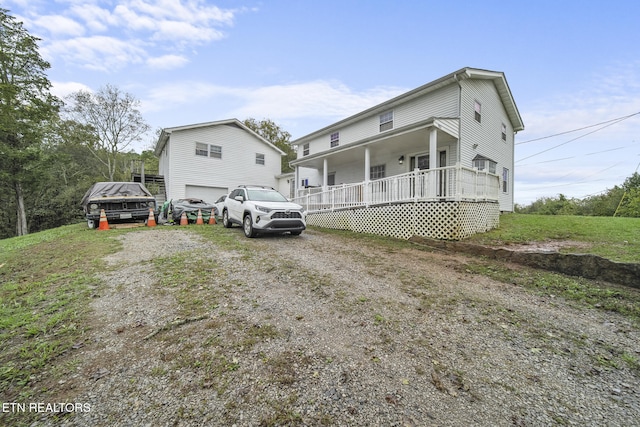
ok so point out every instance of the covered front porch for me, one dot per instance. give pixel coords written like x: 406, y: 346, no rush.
x: 429, y: 144
x: 451, y: 183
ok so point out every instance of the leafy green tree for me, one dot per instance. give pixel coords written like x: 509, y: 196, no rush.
x: 620, y: 200
x: 280, y: 138
x: 27, y: 108
x: 115, y: 120
x: 629, y: 204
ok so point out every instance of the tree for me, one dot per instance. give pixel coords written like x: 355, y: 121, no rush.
x: 629, y: 204
x: 278, y: 137
x: 27, y: 109
x: 115, y: 120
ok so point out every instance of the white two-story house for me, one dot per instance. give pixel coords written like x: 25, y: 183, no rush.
x: 437, y: 161
x: 207, y: 160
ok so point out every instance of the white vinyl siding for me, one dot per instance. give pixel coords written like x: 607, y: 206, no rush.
x: 442, y: 102
x: 238, y: 165
x: 487, y: 133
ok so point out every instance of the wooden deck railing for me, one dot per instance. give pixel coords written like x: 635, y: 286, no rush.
x: 455, y: 183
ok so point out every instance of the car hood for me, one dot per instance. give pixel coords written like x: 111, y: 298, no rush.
x: 280, y: 205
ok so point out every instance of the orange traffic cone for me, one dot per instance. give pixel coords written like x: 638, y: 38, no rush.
x: 199, y: 220
x: 151, y: 222
x: 183, y: 219
x: 212, y: 218
x: 104, y: 224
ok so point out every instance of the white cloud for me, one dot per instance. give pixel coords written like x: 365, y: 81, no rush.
x: 167, y: 62
x: 59, y: 25
x: 96, y: 52
x: 185, y: 32
x: 91, y: 35
x: 62, y: 89
x: 316, y: 99
x: 96, y: 18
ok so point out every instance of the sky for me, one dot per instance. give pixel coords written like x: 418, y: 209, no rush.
x: 573, y: 67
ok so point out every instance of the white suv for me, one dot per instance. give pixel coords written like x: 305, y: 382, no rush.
x: 262, y: 210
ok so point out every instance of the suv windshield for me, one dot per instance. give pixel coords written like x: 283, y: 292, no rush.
x: 265, y: 196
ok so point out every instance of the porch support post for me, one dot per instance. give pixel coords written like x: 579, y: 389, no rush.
x: 296, y: 177
x: 367, y: 175
x: 433, y: 158
x: 325, y: 174
x: 367, y: 165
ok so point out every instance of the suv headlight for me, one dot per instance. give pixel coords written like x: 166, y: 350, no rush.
x: 263, y: 209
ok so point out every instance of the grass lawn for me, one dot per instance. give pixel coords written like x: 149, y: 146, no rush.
x: 617, y: 238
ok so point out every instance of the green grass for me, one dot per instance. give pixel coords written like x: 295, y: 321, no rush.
x: 46, y: 281
x: 617, y: 239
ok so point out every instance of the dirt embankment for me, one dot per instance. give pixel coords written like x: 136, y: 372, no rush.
x: 547, y: 257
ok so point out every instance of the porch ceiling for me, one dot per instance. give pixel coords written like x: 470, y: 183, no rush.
x: 393, y: 145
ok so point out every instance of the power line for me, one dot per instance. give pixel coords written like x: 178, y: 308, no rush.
x: 573, y: 157
x: 610, y: 123
x: 579, y: 129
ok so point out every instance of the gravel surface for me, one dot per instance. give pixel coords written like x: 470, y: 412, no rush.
x: 324, y: 329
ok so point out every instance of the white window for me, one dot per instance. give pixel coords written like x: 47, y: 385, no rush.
x: 505, y: 180
x: 377, y: 172
x: 482, y: 163
x: 215, y: 151
x: 207, y: 150
x: 202, y: 149
x: 504, y: 132
x: 386, y: 121
x: 478, y: 111
x: 259, y: 159
x: 305, y: 149
x: 335, y: 139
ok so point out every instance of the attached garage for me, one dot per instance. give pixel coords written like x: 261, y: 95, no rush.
x: 208, y: 194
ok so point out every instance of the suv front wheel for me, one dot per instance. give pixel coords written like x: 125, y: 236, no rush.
x: 225, y: 219
x: 247, y: 226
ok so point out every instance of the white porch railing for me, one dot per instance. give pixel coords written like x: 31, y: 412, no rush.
x: 453, y: 183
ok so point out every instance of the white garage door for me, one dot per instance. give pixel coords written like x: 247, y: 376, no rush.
x: 208, y: 194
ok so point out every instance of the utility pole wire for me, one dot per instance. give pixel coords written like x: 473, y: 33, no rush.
x: 579, y: 129
x: 578, y: 137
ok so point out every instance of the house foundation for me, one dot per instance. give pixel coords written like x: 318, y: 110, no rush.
x: 444, y: 220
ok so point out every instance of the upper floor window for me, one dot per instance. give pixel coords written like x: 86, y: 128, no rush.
x: 202, y: 149
x: 335, y: 139
x: 504, y: 132
x: 207, y: 150
x: 478, y: 111
x: 386, y: 121
x: 215, y: 151
x: 305, y: 149
x: 377, y: 172
x: 259, y: 159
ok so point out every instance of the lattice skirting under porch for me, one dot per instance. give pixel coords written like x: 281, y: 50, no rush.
x: 436, y: 220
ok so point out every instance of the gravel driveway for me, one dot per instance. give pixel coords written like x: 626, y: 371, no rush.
x: 324, y: 329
